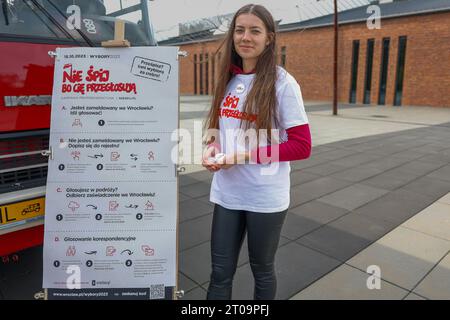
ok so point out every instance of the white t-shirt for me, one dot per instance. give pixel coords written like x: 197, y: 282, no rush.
x: 255, y: 187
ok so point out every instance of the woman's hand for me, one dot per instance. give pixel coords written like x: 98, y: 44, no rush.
x: 210, y: 152
x: 230, y: 160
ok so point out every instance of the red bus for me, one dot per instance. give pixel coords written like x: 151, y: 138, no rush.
x: 29, y: 29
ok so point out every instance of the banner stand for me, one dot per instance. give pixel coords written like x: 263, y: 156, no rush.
x: 119, y: 33
x: 119, y: 41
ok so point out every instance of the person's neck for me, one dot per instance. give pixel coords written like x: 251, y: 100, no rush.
x: 248, y: 65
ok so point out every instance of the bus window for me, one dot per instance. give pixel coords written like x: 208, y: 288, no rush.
x: 23, y: 18
x: 49, y: 19
x: 98, y: 17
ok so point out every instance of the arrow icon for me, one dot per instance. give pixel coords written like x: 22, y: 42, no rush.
x: 127, y: 251
x: 132, y: 206
x: 133, y: 155
x: 91, y: 252
x: 91, y: 205
x: 96, y: 156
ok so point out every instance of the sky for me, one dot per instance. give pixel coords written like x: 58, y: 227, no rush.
x: 166, y: 14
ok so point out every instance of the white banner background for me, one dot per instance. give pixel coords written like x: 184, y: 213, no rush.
x: 111, y: 201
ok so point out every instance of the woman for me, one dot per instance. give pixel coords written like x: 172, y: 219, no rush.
x: 251, y: 184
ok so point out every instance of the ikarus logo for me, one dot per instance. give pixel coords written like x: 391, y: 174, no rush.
x: 17, y: 101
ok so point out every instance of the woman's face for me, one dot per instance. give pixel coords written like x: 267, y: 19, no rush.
x: 250, y: 36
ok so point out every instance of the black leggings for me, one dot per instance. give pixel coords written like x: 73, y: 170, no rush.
x: 228, y: 231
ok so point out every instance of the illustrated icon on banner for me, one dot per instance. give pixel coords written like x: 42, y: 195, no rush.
x: 127, y: 251
x: 149, y: 206
x: 71, y: 251
x: 77, y: 123
x: 75, y: 155
x: 110, y: 250
x: 73, y: 205
x: 113, y: 205
x: 115, y: 156
x: 96, y: 156
x: 148, y: 251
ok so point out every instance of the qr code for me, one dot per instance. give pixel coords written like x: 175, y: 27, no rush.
x: 157, y: 291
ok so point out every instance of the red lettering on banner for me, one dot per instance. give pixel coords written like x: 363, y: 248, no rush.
x: 70, y: 74
x: 97, y: 81
x: 79, y: 88
x: 111, y: 87
x: 100, y: 75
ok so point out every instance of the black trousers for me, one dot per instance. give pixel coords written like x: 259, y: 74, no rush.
x: 228, y: 231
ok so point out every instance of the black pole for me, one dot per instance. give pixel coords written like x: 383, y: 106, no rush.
x: 335, y: 64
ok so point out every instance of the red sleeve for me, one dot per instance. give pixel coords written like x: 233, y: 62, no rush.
x: 297, y: 147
